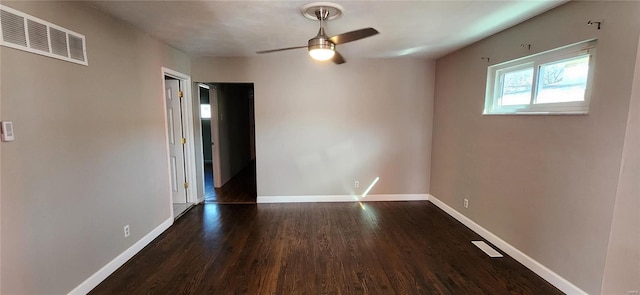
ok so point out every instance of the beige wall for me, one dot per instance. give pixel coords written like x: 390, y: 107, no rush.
x: 319, y: 127
x: 622, y: 268
x: 544, y: 184
x: 90, y: 154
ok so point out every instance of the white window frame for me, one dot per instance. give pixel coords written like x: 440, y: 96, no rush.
x: 494, y: 83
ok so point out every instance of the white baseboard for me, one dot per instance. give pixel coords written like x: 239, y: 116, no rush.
x: 541, y: 270
x: 341, y: 198
x: 90, y: 283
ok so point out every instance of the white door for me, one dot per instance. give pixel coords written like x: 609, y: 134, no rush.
x: 173, y: 96
x: 215, y: 137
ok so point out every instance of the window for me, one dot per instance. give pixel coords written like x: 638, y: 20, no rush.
x: 205, y: 111
x: 552, y: 82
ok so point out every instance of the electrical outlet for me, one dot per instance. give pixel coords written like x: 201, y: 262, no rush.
x: 127, y: 232
x: 466, y: 203
x: 356, y: 184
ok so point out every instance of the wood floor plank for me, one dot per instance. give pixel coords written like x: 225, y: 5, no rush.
x: 240, y: 189
x: 320, y: 248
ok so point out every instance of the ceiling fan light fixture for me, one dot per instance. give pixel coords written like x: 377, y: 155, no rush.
x: 321, y: 49
x: 322, y: 53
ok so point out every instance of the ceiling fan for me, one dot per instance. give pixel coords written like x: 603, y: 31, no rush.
x: 322, y: 47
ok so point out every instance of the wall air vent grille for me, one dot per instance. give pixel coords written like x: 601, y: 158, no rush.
x: 59, y: 42
x: 22, y: 31
x: 38, y: 36
x: 13, y: 30
x: 76, y: 47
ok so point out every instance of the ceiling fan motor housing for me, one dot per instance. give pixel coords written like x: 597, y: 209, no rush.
x: 320, y: 42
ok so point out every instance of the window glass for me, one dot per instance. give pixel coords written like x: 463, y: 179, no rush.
x: 516, y: 87
x: 205, y: 111
x: 563, y: 81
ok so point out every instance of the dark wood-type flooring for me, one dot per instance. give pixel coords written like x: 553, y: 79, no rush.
x: 240, y: 189
x: 319, y: 248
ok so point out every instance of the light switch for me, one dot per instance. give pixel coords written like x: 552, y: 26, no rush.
x: 7, y: 131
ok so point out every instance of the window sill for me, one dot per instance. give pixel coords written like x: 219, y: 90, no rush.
x: 579, y: 113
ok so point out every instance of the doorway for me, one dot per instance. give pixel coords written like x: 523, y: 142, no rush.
x: 228, y: 142
x: 180, y: 145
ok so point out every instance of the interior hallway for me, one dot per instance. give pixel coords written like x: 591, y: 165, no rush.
x: 240, y: 189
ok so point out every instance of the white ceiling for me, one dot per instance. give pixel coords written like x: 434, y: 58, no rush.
x: 240, y: 28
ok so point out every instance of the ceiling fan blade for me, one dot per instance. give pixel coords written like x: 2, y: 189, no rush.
x: 280, y: 49
x: 337, y: 58
x: 353, y: 35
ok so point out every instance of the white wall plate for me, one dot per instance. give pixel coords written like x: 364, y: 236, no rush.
x: 7, y: 131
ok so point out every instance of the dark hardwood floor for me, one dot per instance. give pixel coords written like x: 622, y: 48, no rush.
x: 320, y: 248
x: 240, y: 189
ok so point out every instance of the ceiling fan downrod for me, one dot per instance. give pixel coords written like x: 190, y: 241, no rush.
x: 322, y: 14
x: 320, y: 47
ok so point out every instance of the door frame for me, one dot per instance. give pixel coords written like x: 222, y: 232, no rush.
x: 187, y: 124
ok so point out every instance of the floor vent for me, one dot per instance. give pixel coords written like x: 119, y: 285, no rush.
x: 22, y: 31
x: 487, y: 249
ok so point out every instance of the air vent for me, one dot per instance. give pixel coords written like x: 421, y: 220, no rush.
x: 12, y: 28
x: 76, y: 47
x: 59, y: 44
x: 38, y: 36
x: 22, y: 31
